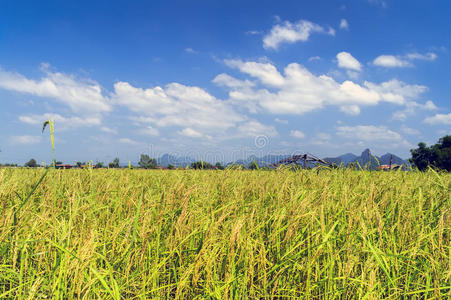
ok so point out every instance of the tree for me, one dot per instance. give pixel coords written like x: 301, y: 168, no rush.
x: 114, y: 163
x: 146, y: 162
x: 219, y: 166
x: 201, y: 165
x: 437, y: 156
x: 171, y: 167
x: 31, y: 163
x: 99, y: 165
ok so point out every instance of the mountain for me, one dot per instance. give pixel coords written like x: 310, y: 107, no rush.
x: 167, y: 159
x: 365, y: 159
x: 342, y: 159
x: 385, y: 159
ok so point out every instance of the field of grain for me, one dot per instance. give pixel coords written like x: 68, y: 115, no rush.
x: 115, y: 234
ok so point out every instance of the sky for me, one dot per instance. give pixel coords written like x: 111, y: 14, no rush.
x: 222, y: 80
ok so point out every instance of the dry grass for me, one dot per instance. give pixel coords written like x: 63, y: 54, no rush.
x: 224, y: 234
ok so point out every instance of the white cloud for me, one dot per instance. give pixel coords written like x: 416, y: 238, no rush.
x: 281, y: 121
x: 410, y: 109
x: 177, y: 105
x: 289, y: 33
x: 25, y: 139
x: 297, y: 134
x: 313, y: 58
x: 190, y: 50
x: 352, y: 110
x: 231, y: 82
x: 298, y: 91
x: 369, y: 133
x: 149, y: 130
x: 254, y: 128
x: 344, y: 24
x: 108, y: 130
x: 61, y: 122
x: 409, y: 131
x: 390, y: 61
x: 191, y: 133
x: 347, y: 61
x: 428, y: 56
x: 265, y: 72
x: 253, y: 32
x: 128, y: 141
x: 80, y: 95
x: 439, y: 119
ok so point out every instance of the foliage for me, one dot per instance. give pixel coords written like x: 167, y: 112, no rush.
x: 252, y: 165
x: 219, y: 166
x: 201, y: 165
x: 171, y: 167
x: 99, y: 164
x: 31, y: 163
x: 114, y: 163
x: 134, y: 234
x: 146, y: 162
x: 437, y: 156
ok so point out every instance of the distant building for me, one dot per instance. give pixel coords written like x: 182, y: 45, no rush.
x: 63, y: 166
x: 388, y: 168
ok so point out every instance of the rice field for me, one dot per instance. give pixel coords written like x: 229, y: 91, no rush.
x: 155, y: 234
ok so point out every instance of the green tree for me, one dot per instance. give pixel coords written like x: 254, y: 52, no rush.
x: 114, y: 163
x: 99, y: 164
x: 171, y: 167
x: 201, y: 165
x: 31, y: 163
x: 437, y: 156
x: 146, y: 162
x: 219, y: 166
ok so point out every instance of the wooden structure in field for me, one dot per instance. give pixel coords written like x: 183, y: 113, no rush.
x: 302, y: 159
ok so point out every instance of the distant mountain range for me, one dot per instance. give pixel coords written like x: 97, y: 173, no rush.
x: 270, y: 159
x: 366, y: 158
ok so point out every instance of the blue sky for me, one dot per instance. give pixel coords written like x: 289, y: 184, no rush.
x: 222, y: 80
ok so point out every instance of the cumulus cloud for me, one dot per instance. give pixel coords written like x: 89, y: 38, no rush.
x: 177, y: 105
x: 289, y: 33
x: 25, y: 139
x: 439, y: 119
x: 254, y: 128
x: 128, y: 141
x: 298, y: 91
x: 347, y: 61
x: 189, y: 132
x: 369, y: 133
x: 352, y: 110
x: 428, y: 56
x: 108, y: 130
x: 411, y: 108
x: 409, y: 131
x: 313, y: 58
x: 297, y: 134
x: 391, y: 61
x: 344, y: 24
x: 149, y: 130
x: 80, y: 95
x: 190, y: 50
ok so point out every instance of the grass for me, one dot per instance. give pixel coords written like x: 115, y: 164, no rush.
x: 138, y: 234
